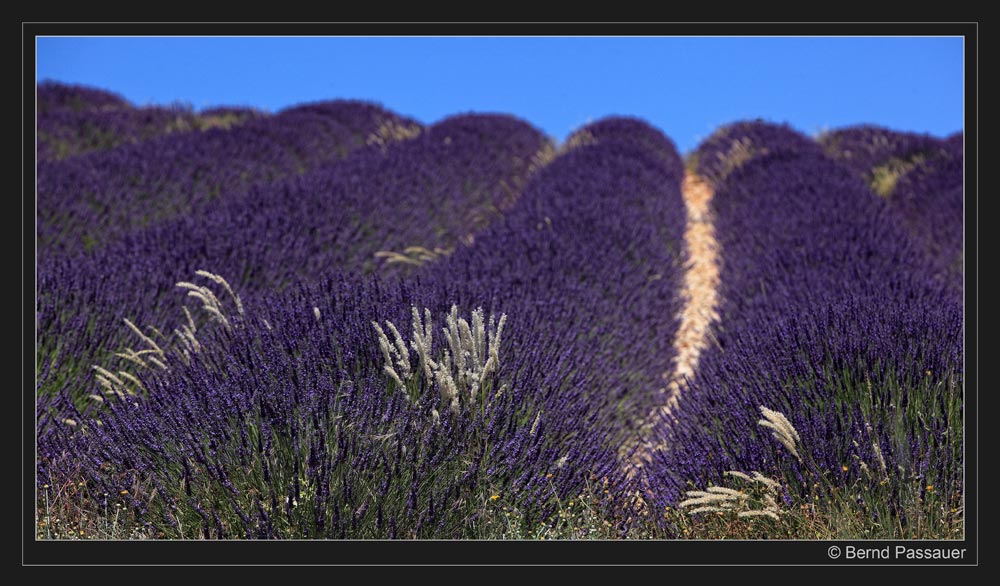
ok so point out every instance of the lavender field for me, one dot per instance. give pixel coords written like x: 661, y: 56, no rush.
x: 334, y: 321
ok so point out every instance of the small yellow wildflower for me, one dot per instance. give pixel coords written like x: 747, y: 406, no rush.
x: 549, y: 475
x: 124, y: 492
x: 844, y: 467
x: 930, y: 488
x: 494, y: 497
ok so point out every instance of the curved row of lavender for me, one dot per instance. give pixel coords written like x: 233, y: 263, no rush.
x: 921, y: 176
x: 864, y: 148
x: 85, y: 201
x: 53, y: 96
x: 830, y: 315
x: 930, y: 199
x: 287, y: 424
x: 590, y: 260
x: 434, y: 191
x: 733, y: 145
x: 73, y: 120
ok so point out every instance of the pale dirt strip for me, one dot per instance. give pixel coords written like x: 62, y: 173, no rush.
x: 699, y: 292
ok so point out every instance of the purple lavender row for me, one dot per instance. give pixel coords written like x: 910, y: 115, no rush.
x: 88, y: 200
x: 929, y: 203
x: 286, y: 428
x: 864, y: 148
x: 590, y: 259
x: 297, y: 229
x: 930, y: 199
x: 76, y: 119
x: 434, y: 191
x: 733, y: 145
x: 922, y: 177
x: 52, y: 96
x: 587, y: 268
x: 955, y: 144
x: 64, y: 133
x: 830, y: 315
x: 294, y: 401
x: 623, y: 129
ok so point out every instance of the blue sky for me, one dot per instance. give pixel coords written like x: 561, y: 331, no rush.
x: 685, y: 86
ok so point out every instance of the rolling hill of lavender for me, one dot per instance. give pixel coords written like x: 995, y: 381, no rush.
x: 334, y: 321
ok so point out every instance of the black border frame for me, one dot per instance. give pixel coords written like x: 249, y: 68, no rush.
x: 434, y: 552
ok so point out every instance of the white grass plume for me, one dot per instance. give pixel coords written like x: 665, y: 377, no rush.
x: 711, y: 497
x: 225, y: 285
x: 132, y: 379
x: 782, y: 429
x: 423, y: 341
x: 185, y: 341
x: 756, y: 499
x: 460, y: 370
x: 209, y: 302
x: 762, y: 513
x: 534, y: 425
x: 414, y: 255
x: 149, y: 341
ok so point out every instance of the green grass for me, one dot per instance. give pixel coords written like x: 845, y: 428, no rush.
x: 73, y: 514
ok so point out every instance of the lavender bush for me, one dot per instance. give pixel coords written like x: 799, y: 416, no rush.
x: 52, y: 96
x: 921, y: 177
x: 285, y: 422
x: 864, y: 149
x: 830, y: 316
x: 86, y: 201
x: 433, y: 192
x: 335, y: 322
x: 733, y: 145
x: 930, y: 199
x: 66, y: 133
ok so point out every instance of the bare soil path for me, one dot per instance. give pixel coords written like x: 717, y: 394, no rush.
x: 699, y: 291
